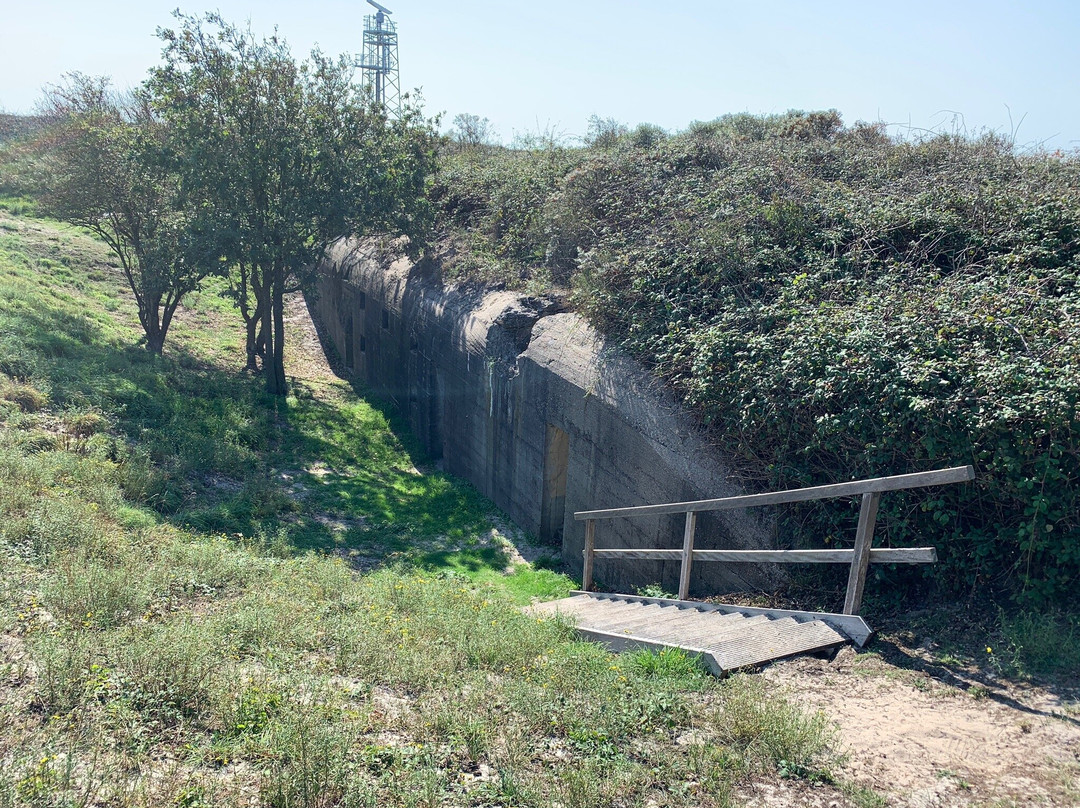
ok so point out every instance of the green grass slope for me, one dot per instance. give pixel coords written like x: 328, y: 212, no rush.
x: 834, y: 304
x: 180, y: 623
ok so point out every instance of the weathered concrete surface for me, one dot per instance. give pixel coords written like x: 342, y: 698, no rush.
x: 535, y: 409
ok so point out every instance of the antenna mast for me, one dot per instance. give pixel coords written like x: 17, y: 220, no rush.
x: 379, y: 61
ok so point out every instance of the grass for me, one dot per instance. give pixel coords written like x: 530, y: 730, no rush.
x: 1039, y: 643
x: 18, y: 205
x: 863, y: 797
x: 183, y: 623
x: 978, y: 644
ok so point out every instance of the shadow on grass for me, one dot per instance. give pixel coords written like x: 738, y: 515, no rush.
x: 464, y: 561
x: 335, y: 476
x: 209, y: 450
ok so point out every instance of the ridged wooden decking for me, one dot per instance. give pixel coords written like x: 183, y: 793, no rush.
x: 726, y: 637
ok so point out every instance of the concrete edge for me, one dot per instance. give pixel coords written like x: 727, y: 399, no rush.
x: 629, y: 642
x: 851, y: 626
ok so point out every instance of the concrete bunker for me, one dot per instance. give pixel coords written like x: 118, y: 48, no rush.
x: 527, y: 402
x: 553, y: 504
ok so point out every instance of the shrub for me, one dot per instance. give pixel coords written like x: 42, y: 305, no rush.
x: 85, y: 424
x: 166, y: 672
x: 52, y: 525
x: 84, y: 591
x: 64, y: 670
x: 312, y: 767
x: 500, y: 194
x: 1045, y: 643
x: 835, y: 304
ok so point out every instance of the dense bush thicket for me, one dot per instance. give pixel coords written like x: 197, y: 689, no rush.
x: 502, y: 197
x: 13, y: 127
x: 835, y: 304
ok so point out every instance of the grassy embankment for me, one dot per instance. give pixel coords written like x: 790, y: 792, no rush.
x: 180, y: 625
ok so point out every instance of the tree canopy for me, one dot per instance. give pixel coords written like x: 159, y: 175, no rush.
x: 235, y: 158
x: 112, y: 169
x: 289, y: 156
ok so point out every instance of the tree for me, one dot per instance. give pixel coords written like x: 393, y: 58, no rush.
x: 292, y: 157
x: 111, y: 169
x: 472, y: 131
x: 605, y: 133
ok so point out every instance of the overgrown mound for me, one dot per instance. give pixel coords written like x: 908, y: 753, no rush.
x: 14, y: 127
x: 835, y: 304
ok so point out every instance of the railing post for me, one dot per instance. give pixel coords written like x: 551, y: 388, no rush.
x: 590, y: 546
x: 864, y: 538
x: 687, y: 554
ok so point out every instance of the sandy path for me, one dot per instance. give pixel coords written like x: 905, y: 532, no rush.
x: 305, y: 359
x: 924, y: 743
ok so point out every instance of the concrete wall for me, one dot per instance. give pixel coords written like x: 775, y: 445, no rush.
x: 529, y: 404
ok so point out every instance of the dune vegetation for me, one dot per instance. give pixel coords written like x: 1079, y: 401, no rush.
x: 833, y: 303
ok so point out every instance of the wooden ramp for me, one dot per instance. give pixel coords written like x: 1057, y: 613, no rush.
x: 726, y: 637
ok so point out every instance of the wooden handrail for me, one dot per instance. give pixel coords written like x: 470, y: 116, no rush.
x: 859, y: 557
x: 880, y: 555
x: 921, y: 479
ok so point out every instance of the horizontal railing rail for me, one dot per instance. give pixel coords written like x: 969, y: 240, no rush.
x: 879, y: 485
x: 859, y: 557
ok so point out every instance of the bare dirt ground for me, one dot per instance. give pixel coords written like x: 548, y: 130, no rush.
x: 918, y: 733
x: 930, y: 735
x: 305, y: 358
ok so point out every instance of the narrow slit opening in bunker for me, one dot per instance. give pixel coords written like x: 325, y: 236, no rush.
x: 349, y: 358
x: 553, y: 508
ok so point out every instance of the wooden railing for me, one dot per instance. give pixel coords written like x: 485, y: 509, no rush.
x: 859, y: 557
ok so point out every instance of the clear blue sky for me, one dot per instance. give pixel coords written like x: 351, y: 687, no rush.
x: 550, y: 65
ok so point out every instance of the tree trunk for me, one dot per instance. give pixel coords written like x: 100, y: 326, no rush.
x: 166, y: 321
x: 274, y: 366
x: 155, y: 342
x: 150, y: 316
x: 260, y: 341
x: 240, y: 290
x: 260, y: 322
x: 252, y: 323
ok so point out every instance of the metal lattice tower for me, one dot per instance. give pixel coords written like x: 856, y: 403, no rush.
x: 379, y: 61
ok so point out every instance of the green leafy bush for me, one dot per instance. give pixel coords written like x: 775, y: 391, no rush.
x: 834, y: 304
x: 503, y: 195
